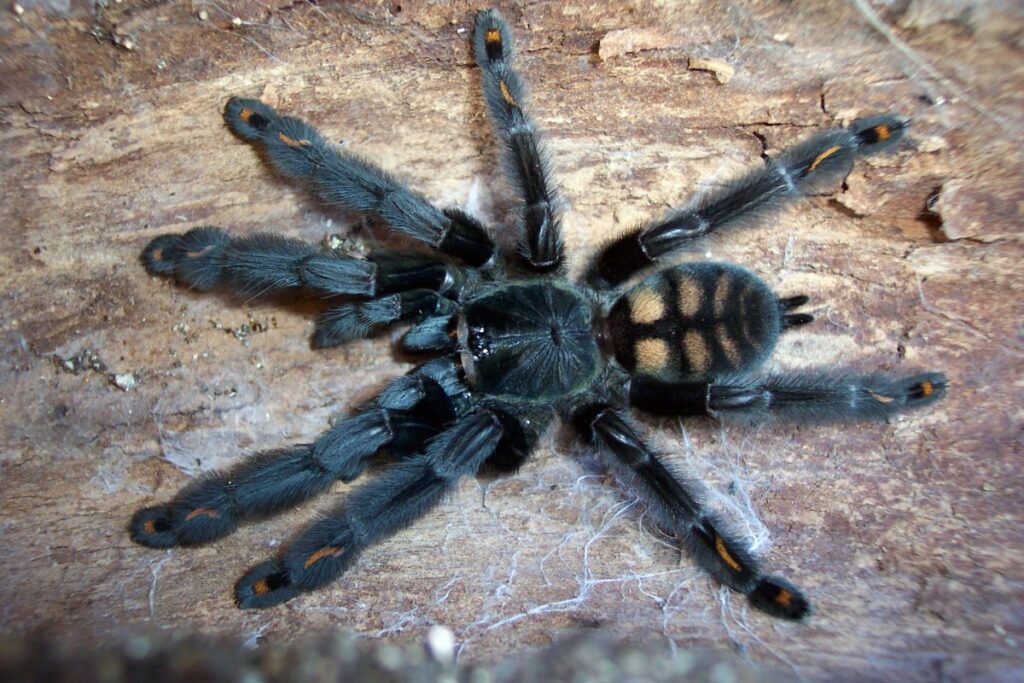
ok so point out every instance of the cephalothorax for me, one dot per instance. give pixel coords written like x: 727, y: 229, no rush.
x: 514, y: 345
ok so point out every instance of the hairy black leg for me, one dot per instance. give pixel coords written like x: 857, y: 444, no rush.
x: 434, y: 335
x: 676, y: 504
x: 298, y: 151
x: 208, y: 257
x: 807, y: 397
x: 383, y: 506
x: 349, y: 321
x: 821, y: 160
x: 540, y: 230
x: 407, y: 413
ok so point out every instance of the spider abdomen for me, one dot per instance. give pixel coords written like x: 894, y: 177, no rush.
x: 533, y: 341
x: 694, y: 322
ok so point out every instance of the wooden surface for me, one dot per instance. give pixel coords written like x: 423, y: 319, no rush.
x: 117, y: 387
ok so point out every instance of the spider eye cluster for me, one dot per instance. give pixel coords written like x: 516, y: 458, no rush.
x: 479, y: 342
x: 694, y: 322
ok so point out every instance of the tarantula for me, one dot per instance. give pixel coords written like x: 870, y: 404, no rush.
x: 515, y: 344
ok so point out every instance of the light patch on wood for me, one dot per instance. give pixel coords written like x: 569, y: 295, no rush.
x: 646, y: 306
x: 696, y: 349
x: 651, y: 355
x: 728, y: 344
x: 691, y: 296
x: 724, y: 71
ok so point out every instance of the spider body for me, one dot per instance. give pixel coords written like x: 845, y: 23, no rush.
x: 530, y: 342
x: 515, y: 344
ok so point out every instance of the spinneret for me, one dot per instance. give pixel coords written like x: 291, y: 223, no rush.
x: 516, y: 344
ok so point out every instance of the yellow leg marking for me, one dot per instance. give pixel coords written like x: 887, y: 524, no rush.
x: 202, y: 512
x: 201, y: 252
x: 492, y: 36
x: 728, y: 344
x: 722, y: 289
x: 723, y: 553
x: 882, y: 132
x: 245, y: 114
x: 292, y: 142
x: 696, y: 350
x: 690, y: 296
x: 261, y: 587
x: 651, y: 355
x: 149, y: 526
x: 824, y: 155
x: 329, y: 551
x: 880, y: 398
x: 927, y: 388
x: 646, y: 306
x: 784, y: 597
x: 157, y: 255
x: 506, y: 95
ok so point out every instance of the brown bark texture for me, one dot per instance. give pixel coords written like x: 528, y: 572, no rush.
x: 116, y: 387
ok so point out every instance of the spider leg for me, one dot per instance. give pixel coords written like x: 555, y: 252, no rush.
x: 337, y: 178
x: 354, y: 320
x: 208, y: 257
x: 407, y: 413
x: 540, y: 226
x: 677, y: 506
x: 378, y: 509
x: 821, y: 160
x: 808, y: 397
